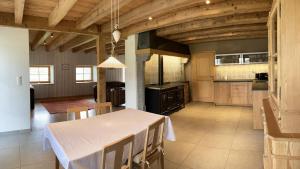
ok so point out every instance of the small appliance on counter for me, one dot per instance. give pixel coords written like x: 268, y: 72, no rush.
x: 261, y: 76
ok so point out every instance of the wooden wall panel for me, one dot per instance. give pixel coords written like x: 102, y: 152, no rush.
x: 64, y: 80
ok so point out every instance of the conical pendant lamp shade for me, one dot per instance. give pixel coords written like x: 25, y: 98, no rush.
x: 111, y: 62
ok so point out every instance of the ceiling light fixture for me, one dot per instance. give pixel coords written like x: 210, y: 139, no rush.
x: 150, y: 18
x: 51, y: 36
x: 45, y: 43
x: 207, y: 2
x: 111, y: 61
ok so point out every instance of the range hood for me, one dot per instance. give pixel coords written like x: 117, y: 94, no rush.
x: 148, y: 42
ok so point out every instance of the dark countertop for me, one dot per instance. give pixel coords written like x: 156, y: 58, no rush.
x: 235, y: 80
x: 165, y: 86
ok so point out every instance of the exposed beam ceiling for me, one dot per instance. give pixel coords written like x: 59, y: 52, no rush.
x: 214, y: 23
x: 153, y: 8
x: 219, y: 30
x: 39, y: 39
x: 60, y: 11
x: 226, y: 38
x: 99, y: 12
x: 19, y: 10
x: 79, y: 40
x: 41, y: 24
x: 60, y: 40
x: 91, y: 44
x: 227, y: 8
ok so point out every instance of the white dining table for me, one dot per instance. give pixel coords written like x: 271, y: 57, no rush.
x: 78, y: 144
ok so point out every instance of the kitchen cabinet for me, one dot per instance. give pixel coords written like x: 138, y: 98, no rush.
x: 233, y: 93
x: 222, y: 93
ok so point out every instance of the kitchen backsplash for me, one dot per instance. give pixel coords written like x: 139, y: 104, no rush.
x: 239, y: 71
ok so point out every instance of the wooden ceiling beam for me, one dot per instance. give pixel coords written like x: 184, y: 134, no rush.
x: 77, y: 41
x: 226, y: 38
x: 241, y: 19
x: 41, y: 24
x: 39, y: 39
x: 219, y: 30
x: 221, y: 9
x: 102, y: 10
x: 85, y: 46
x: 263, y: 33
x: 19, y: 11
x: 60, y: 40
x: 92, y: 44
x: 60, y: 11
x: 153, y: 9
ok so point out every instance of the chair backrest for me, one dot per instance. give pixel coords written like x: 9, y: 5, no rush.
x: 77, y: 111
x: 118, y: 147
x: 101, y: 108
x: 154, y: 137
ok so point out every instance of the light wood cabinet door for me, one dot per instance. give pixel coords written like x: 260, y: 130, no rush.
x: 239, y: 94
x: 202, y: 76
x: 222, y: 93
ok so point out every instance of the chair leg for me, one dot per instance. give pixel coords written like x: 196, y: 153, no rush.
x: 56, y: 163
x: 162, y: 161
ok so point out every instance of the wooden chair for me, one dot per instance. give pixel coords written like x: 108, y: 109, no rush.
x: 77, y: 111
x: 101, y: 108
x: 118, y: 148
x: 154, y: 145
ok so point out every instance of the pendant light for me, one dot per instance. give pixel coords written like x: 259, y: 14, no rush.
x: 111, y: 61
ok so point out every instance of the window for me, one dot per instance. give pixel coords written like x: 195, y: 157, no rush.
x: 40, y: 74
x: 84, y: 73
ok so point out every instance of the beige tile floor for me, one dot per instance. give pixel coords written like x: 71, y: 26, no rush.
x: 208, y: 137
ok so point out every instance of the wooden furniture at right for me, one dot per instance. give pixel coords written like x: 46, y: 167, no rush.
x: 281, y: 150
x: 258, y: 96
x: 202, y: 75
x: 154, y: 145
x: 284, y: 52
x: 77, y: 111
x: 102, y: 108
x: 118, y: 147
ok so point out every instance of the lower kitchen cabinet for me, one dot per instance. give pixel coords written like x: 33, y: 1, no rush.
x: 233, y: 93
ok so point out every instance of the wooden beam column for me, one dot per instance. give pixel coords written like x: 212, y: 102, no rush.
x: 101, y: 80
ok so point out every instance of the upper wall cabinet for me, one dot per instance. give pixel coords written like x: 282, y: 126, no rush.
x: 241, y: 58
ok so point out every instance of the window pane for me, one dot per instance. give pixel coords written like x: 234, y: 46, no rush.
x: 79, y: 70
x: 87, y: 77
x: 87, y: 70
x: 34, y: 70
x: 79, y: 77
x: 44, y: 78
x: 34, y: 78
x: 43, y: 71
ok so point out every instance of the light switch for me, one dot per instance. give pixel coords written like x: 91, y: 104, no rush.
x: 19, y: 80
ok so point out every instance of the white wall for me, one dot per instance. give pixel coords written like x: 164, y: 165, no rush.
x: 131, y: 95
x: 14, y: 62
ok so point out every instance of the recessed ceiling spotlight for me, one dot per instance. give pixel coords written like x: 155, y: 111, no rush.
x: 45, y: 43
x: 51, y: 36
x: 150, y: 18
x: 207, y: 2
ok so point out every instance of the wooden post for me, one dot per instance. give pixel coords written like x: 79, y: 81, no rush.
x: 101, y: 80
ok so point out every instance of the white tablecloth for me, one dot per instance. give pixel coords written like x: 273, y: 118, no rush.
x: 78, y: 144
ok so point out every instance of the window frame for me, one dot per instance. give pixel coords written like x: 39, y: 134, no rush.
x: 85, y: 66
x: 49, y: 74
